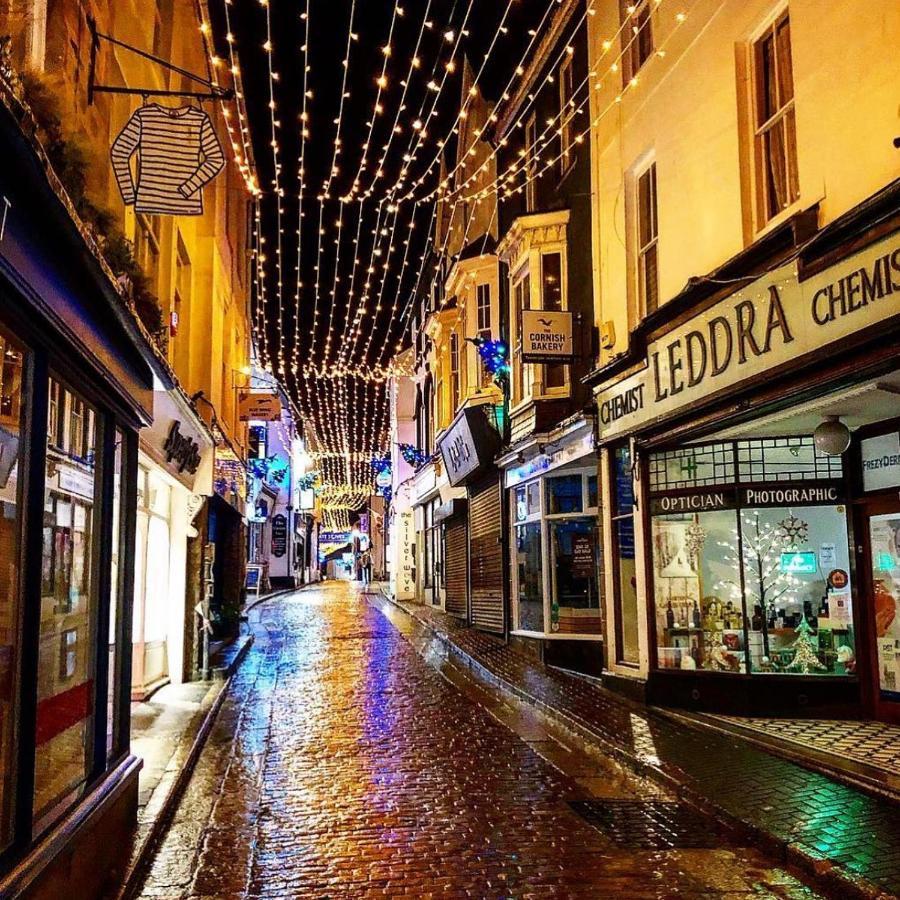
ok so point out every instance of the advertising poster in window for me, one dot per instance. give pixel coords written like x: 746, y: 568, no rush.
x: 884, y: 534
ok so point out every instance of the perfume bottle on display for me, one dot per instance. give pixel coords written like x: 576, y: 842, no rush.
x: 756, y: 623
x: 670, y: 615
x: 695, y: 615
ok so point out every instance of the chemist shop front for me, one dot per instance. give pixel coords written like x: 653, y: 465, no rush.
x: 752, y: 496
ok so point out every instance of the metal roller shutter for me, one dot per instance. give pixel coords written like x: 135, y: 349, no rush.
x: 486, y: 554
x: 456, y: 566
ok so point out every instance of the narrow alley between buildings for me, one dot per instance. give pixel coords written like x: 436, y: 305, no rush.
x: 351, y: 758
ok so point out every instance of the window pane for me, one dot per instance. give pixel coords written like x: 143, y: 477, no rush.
x: 575, y: 601
x: 788, y: 555
x: 696, y: 584
x: 11, y: 430
x: 530, y: 577
x: 646, y: 210
x: 884, y: 541
x: 555, y: 375
x: 626, y: 598
x: 564, y: 494
x: 66, y: 654
x: 593, y: 499
x: 551, y: 278
x: 623, y: 488
x: 650, y: 278
x: 111, y: 718
x: 784, y: 63
x: 767, y: 99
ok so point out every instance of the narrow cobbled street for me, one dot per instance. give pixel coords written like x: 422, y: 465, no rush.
x: 351, y: 760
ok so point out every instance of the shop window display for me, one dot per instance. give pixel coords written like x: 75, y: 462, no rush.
x: 752, y: 588
x: 12, y: 423
x: 623, y: 557
x: 66, y: 655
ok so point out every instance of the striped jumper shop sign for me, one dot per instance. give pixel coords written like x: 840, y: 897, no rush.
x: 178, y: 153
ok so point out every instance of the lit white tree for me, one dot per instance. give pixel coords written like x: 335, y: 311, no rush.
x: 765, y: 582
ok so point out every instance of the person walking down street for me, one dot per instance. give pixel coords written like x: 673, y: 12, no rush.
x: 365, y: 566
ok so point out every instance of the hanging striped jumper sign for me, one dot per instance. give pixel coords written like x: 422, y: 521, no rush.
x: 178, y: 153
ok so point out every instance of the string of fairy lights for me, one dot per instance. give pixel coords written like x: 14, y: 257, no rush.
x: 383, y: 218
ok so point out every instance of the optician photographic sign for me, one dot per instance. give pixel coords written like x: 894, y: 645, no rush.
x: 547, y: 336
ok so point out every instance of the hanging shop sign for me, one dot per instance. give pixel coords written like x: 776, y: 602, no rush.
x: 178, y: 154
x: 259, y: 407
x: 279, y: 535
x: 547, y: 336
x: 772, y: 322
x: 468, y: 446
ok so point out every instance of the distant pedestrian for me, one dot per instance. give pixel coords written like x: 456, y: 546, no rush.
x: 365, y: 567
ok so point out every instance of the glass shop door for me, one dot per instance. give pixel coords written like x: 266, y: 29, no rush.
x: 881, y: 594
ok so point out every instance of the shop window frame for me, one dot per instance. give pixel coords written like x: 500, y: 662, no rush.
x: 45, y: 352
x: 614, y: 567
x: 734, y: 487
x: 544, y: 518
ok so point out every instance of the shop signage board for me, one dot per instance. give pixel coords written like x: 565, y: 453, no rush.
x: 547, y: 336
x: 772, y: 322
x: 546, y: 462
x: 468, y: 445
x: 262, y: 407
x: 800, y: 562
x: 404, y: 580
x: 253, y: 579
x: 279, y: 535
x: 881, y: 462
x: 179, y: 442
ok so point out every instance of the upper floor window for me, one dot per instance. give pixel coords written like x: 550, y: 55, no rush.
x: 775, y: 133
x: 552, y: 299
x: 637, y: 36
x: 566, y: 112
x: 483, y: 298
x: 454, y: 372
x: 523, y: 375
x: 647, y: 239
x: 531, y: 150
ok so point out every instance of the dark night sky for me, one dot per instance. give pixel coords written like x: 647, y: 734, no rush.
x: 349, y: 413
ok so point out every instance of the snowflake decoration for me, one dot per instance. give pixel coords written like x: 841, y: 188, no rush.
x: 793, y: 531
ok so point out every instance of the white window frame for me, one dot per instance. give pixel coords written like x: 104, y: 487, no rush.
x: 566, y: 115
x: 762, y: 221
x: 631, y: 61
x: 545, y: 518
x: 531, y: 157
x: 642, y: 250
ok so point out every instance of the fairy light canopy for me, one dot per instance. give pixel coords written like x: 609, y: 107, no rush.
x: 354, y: 112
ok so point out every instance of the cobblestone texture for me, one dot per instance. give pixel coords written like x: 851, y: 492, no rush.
x: 823, y: 818
x: 345, y: 763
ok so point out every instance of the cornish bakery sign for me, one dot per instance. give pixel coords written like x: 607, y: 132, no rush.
x: 773, y: 321
x: 546, y: 336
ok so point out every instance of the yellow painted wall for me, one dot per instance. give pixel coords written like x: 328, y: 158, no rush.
x: 689, y: 110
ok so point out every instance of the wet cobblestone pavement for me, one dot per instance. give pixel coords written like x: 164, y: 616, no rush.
x: 841, y: 832
x: 351, y: 760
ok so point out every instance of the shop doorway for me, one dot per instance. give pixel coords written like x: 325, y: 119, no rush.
x: 880, y: 568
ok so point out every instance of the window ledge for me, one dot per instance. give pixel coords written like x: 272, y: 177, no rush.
x: 556, y: 636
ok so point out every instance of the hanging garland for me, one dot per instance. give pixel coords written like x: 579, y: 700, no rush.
x: 273, y: 469
x: 495, y: 357
x: 381, y: 464
x: 308, y: 481
x: 413, y: 456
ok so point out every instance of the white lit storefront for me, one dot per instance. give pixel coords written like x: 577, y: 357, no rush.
x: 174, y: 477
x: 553, y: 507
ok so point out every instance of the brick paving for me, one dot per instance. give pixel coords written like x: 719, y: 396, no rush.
x: 343, y: 764
x: 875, y: 745
x: 820, y: 817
